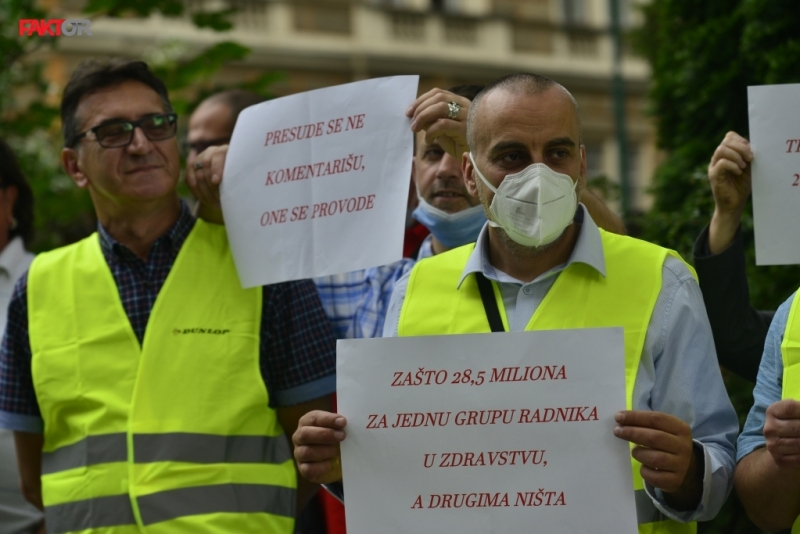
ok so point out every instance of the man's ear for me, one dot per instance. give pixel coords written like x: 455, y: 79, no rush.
x: 469, y: 176
x: 69, y: 160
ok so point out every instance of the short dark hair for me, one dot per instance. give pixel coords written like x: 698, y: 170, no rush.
x: 93, y: 75
x: 237, y: 100
x: 11, y: 176
x: 523, y: 82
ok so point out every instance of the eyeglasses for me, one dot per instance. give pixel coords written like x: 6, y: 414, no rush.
x: 120, y: 133
x: 200, y: 146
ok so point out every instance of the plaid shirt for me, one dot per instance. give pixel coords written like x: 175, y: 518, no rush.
x: 356, y: 302
x: 298, y: 351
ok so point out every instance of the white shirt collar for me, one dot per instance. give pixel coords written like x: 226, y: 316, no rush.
x: 14, y: 259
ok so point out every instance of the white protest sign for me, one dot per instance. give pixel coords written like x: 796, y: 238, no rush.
x: 317, y: 183
x: 485, y: 433
x: 775, y: 140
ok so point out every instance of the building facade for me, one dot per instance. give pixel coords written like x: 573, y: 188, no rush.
x: 318, y: 43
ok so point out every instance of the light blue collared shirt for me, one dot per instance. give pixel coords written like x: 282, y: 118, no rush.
x: 356, y: 302
x: 769, y: 384
x: 678, y: 373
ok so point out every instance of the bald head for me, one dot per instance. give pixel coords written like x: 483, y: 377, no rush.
x: 522, y: 84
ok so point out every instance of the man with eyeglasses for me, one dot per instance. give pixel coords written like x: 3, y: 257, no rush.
x: 146, y: 388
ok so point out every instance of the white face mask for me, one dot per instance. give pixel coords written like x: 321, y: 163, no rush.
x: 533, y: 206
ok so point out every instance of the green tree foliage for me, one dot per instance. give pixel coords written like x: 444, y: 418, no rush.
x: 703, y: 56
x: 29, y: 118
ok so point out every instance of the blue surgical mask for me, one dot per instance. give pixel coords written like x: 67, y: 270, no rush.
x: 451, y: 229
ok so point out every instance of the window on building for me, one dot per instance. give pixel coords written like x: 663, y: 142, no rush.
x: 390, y: 3
x: 574, y: 12
x: 322, y: 17
x: 524, y: 10
x: 408, y: 26
x: 532, y: 38
x: 446, y: 6
x: 461, y: 31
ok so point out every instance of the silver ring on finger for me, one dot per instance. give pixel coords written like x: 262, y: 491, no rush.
x: 452, y: 110
x: 198, y: 165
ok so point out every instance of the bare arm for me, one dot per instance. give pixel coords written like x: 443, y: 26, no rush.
x: 29, y: 461
x: 768, y: 479
x: 289, y: 418
x: 770, y: 495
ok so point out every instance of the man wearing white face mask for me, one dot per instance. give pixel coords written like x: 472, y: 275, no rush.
x: 357, y: 302
x: 553, y: 268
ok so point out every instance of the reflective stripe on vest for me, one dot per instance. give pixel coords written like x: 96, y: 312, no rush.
x: 155, y: 438
x: 168, y: 447
x: 790, y: 354
x: 435, y: 305
x: 166, y: 505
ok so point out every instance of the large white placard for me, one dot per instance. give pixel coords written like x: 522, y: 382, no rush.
x: 317, y: 183
x: 775, y: 140
x: 485, y: 433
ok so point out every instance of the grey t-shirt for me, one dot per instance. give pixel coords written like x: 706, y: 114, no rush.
x: 17, y: 516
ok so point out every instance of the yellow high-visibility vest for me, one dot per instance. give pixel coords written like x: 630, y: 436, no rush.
x: 580, y: 298
x: 790, y: 354
x: 174, y: 436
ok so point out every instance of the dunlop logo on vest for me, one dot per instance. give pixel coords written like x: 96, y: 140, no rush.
x: 212, y: 331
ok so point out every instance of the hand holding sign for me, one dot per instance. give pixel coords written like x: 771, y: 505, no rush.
x: 317, y: 183
x: 442, y: 438
x: 666, y: 451
x: 782, y: 432
x: 316, y: 446
x: 205, y: 176
x: 431, y: 112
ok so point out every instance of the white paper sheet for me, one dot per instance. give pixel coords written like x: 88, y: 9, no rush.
x: 775, y: 140
x: 576, y: 464
x: 317, y: 183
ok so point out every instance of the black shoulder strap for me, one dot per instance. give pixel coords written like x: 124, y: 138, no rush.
x: 489, y: 303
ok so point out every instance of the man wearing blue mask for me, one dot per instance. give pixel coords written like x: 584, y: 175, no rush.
x: 453, y: 217
x: 542, y: 263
